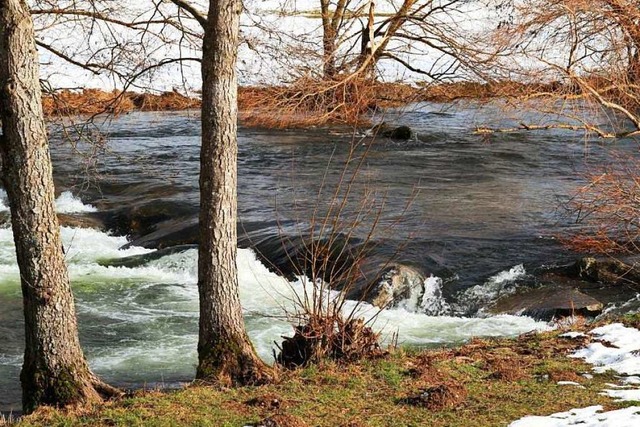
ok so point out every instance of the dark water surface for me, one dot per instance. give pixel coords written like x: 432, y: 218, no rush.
x: 476, y: 204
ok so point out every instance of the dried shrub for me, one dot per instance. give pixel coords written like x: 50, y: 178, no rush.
x: 309, y: 102
x: 329, y: 337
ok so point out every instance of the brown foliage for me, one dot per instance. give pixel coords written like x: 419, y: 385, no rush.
x: 167, y: 101
x: 96, y: 101
x: 447, y: 92
x: 308, y: 102
x: 87, y: 101
x: 607, y: 209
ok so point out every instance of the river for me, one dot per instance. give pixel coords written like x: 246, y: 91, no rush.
x: 483, y: 214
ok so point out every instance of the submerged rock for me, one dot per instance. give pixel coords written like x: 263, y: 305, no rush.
x: 84, y: 220
x: 169, y: 233
x: 547, y: 303
x: 608, y: 280
x: 393, y: 284
x: 605, y: 271
x: 134, y: 261
x: 373, y: 280
x: 401, y: 133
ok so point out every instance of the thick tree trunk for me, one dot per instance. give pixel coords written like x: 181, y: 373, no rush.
x: 54, y: 371
x: 224, y: 351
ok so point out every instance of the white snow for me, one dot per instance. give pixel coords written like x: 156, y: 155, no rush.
x: 591, y: 416
x: 624, y: 395
x: 618, y: 354
x: 573, y: 383
x: 617, y: 348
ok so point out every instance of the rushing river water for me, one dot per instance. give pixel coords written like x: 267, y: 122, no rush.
x: 482, y: 215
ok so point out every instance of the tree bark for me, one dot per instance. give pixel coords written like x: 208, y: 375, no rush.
x: 55, y: 371
x: 225, y: 352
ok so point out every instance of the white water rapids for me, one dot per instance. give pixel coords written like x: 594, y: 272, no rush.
x: 139, y: 325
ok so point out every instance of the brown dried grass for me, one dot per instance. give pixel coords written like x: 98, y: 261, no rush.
x: 87, y: 101
x: 446, y: 395
x: 96, y: 101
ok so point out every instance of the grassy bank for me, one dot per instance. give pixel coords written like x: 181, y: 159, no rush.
x: 483, y: 383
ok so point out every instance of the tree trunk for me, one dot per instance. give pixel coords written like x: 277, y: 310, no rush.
x: 329, y: 35
x: 224, y: 351
x: 54, y: 371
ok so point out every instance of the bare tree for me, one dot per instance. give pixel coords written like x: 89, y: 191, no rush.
x: 55, y: 371
x: 427, y: 38
x: 589, y: 50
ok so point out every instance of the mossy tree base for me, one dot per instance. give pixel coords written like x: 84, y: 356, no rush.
x: 233, y: 364
x: 67, y: 387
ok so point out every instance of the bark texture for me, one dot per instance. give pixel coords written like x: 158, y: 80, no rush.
x: 225, y: 353
x: 55, y: 371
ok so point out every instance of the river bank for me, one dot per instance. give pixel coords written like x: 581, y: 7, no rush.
x: 490, y: 382
x: 284, y: 99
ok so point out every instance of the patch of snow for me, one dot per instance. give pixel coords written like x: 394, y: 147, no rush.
x: 635, y: 380
x: 591, y: 416
x: 620, y: 352
x: 633, y: 395
x: 573, y: 383
x: 616, y: 348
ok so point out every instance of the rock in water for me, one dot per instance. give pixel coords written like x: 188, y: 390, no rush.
x: 397, y: 283
x: 401, y: 133
x: 547, y: 303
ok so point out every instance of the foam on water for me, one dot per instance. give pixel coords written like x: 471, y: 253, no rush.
x: 142, y: 322
x: 66, y: 203
x: 427, y: 298
x: 502, y: 284
x: 4, y: 205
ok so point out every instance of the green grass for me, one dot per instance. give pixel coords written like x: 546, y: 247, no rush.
x: 491, y: 383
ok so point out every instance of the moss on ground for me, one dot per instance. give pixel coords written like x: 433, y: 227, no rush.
x: 483, y: 383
